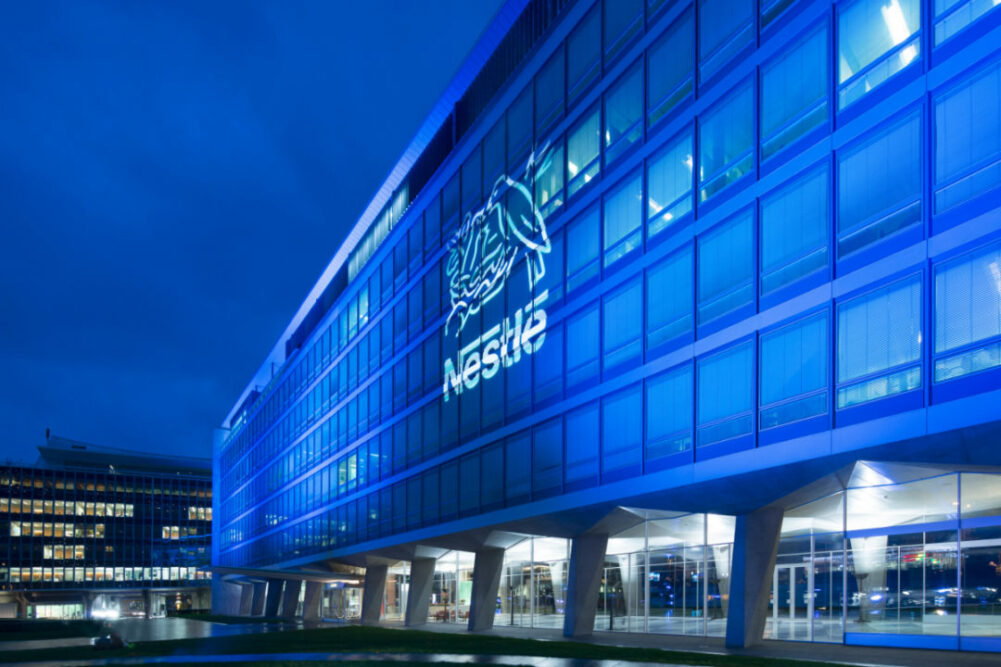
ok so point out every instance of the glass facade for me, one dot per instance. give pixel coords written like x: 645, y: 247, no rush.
x: 78, y: 529
x: 669, y: 245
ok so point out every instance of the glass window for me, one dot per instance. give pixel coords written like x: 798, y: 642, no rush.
x: 547, y: 458
x: 494, y: 163
x: 670, y: 67
x: 879, y: 343
x: 876, y: 39
x: 952, y: 16
x: 794, y: 93
x: 517, y: 468
x: 472, y: 181
x: 725, y: 28
x: 623, y: 327
x: 621, y: 433
x: 968, y: 139
x: 583, y: 244
x: 549, y: 180
x: 726, y: 142
x: 669, y: 184
x: 623, y: 21
x: 669, y: 298
x: 879, y: 185
x: 519, y: 131
x: 794, y: 230
x: 548, y: 367
x: 624, y: 219
x: 549, y: 92
x: 449, y: 209
x: 582, y: 447
x: 725, y: 394
x: 584, y: 152
x: 726, y: 267
x: 794, y: 372
x: 968, y: 314
x: 584, y: 54
x: 582, y: 348
x: 669, y: 412
x: 624, y: 113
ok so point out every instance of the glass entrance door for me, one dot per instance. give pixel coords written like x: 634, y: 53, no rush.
x: 792, y: 602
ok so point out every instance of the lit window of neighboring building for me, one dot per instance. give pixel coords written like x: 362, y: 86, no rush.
x: 876, y: 39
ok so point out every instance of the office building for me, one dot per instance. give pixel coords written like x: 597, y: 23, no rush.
x: 98, y: 532
x: 674, y: 317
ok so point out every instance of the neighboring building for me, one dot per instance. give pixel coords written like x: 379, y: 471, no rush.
x: 674, y: 317
x: 99, y: 532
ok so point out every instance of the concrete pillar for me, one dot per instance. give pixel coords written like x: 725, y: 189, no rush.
x: 88, y: 604
x: 373, y: 593
x: 148, y: 598
x: 311, y: 600
x: 419, y: 596
x: 246, y: 600
x: 487, y: 567
x: 274, y: 597
x: 587, y: 561
x: 755, y: 545
x: 290, y: 598
x: 259, y: 597
x: 22, y: 607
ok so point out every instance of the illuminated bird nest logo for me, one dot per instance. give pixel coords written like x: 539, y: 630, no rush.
x: 490, y: 241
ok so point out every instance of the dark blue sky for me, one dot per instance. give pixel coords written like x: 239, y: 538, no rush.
x: 173, y: 178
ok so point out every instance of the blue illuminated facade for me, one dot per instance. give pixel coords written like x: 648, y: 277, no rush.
x: 661, y: 285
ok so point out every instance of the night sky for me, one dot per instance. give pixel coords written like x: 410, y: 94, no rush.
x: 174, y: 176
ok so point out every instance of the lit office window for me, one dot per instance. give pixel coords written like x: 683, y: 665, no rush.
x: 624, y: 220
x: 669, y: 184
x: 879, y: 185
x: 968, y: 139
x: 725, y: 394
x: 669, y: 298
x: 584, y: 151
x: 622, y: 326
x: 794, y: 230
x: 794, y: 372
x: 669, y: 413
x: 547, y: 458
x: 726, y: 142
x: 623, y: 21
x: 726, y: 267
x: 876, y: 39
x: 952, y: 16
x: 879, y: 343
x: 725, y: 28
x: 584, y: 54
x: 582, y: 447
x: 549, y: 180
x: 670, y: 68
x: 794, y: 93
x: 622, y: 433
x: 624, y: 113
x: 583, y: 248
x: 583, y: 349
x: 968, y: 314
x: 549, y: 92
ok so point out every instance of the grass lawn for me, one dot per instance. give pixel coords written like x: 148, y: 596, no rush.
x: 386, y: 640
x: 23, y: 629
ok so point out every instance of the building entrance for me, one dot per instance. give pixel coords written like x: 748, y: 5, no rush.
x: 792, y: 602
